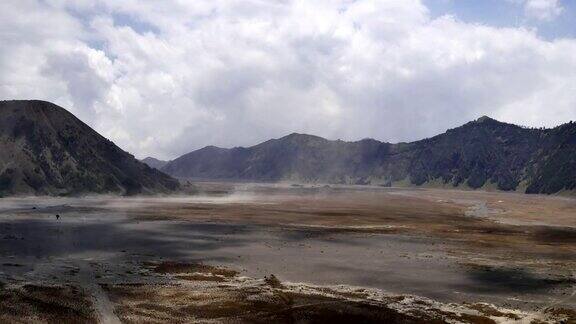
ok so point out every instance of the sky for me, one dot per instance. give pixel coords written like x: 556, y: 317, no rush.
x: 164, y: 77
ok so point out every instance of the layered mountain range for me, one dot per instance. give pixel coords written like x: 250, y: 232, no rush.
x: 154, y: 163
x: 45, y: 150
x: 484, y: 153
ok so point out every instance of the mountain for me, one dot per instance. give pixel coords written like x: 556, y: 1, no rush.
x: 482, y: 153
x: 154, y: 163
x: 44, y: 149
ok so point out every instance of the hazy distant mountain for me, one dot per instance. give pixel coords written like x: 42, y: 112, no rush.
x: 154, y: 163
x: 46, y: 150
x: 480, y: 153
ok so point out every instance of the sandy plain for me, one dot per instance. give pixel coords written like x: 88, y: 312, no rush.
x: 290, y: 253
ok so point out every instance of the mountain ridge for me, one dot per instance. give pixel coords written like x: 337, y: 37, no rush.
x: 483, y: 152
x: 46, y: 150
x: 154, y: 162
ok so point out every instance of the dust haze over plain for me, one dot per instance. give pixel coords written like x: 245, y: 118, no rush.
x: 164, y: 78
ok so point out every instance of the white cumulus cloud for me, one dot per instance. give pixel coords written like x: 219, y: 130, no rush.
x: 541, y: 10
x: 164, y: 77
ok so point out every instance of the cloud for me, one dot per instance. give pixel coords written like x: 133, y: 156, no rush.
x: 164, y: 77
x: 540, y: 10
x: 84, y: 75
x: 543, y: 10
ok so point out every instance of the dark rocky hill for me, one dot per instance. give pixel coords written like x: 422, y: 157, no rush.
x: 482, y: 153
x: 46, y: 150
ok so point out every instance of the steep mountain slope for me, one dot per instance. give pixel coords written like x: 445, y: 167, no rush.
x: 46, y: 150
x: 154, y: 163
x: 296, y: 157
x: 553, y: 169
x: 476, y: 153
x: 480, y: 153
